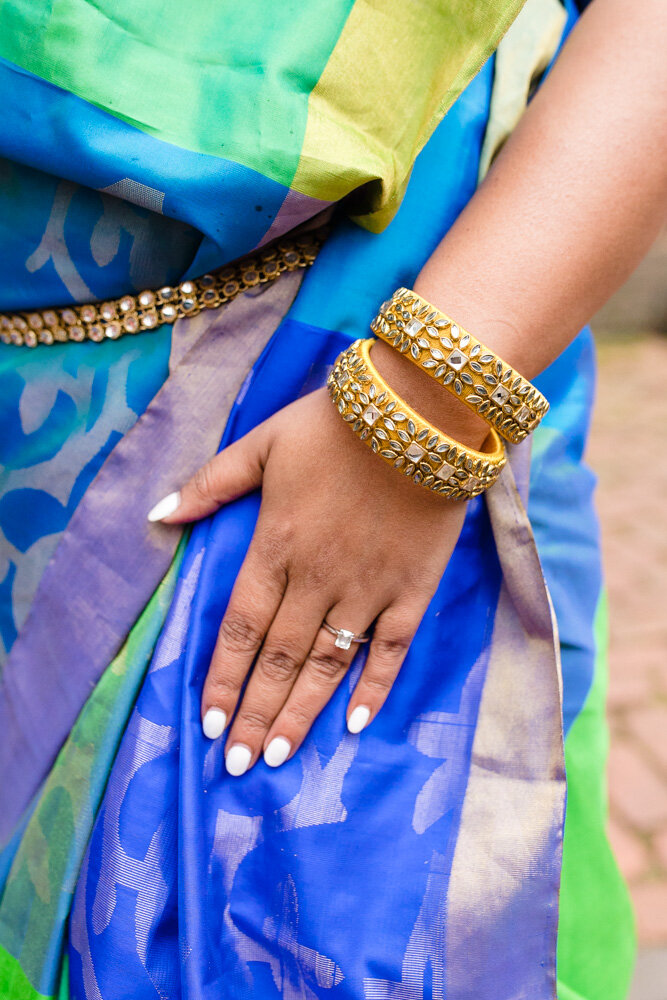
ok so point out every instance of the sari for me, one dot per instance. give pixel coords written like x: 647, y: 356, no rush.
x: 423, y: 857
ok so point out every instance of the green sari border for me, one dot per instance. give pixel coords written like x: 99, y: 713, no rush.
x: 597, y: 937
x: 35, y: 902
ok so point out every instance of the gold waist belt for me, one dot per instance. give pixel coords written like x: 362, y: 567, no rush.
x: 151, y: 308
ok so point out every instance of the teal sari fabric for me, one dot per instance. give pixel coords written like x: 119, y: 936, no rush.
x: 62, y: 411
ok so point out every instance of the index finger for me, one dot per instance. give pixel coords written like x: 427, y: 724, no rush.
x: 254, y: 600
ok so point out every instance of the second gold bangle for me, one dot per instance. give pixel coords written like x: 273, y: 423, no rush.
x: 403, y: 439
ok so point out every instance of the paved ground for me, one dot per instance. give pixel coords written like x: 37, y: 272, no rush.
x: 628, y: 434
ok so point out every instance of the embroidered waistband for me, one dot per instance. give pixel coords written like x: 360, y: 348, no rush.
x: 151, y: 308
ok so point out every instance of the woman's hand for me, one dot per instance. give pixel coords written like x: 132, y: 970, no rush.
x: 341, y: 536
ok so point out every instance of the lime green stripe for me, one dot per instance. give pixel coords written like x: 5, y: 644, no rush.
x: 596, y: 937
x: 13, y: 981
x: 214, y: 76
x: 408, y: 63
x: 38, y: 893
x: 15, y: 986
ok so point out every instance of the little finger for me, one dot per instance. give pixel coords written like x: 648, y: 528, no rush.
x: 393, y: 633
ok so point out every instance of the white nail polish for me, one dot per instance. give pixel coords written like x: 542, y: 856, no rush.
x: 165, y: 507
x: 237, y: 759
x: 214, y: 723
x: 358, y: 719
x: 277, y: 751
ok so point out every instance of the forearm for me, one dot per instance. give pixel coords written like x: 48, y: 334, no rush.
x: 568, y: 209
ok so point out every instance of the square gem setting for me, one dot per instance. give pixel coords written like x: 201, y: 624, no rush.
x: 500, y: 395
x: 371, y: 415
x: 456, y: 360
x: 414, y: 452
x: 413, y: 328
x: 344, y: 638
x: 445, y: 472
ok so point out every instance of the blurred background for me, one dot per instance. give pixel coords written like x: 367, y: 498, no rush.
x: 631, y: 418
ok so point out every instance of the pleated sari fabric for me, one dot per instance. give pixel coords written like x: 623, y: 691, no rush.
x: 432, y: 855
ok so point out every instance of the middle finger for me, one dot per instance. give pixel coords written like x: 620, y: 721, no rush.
x: 283, y: 652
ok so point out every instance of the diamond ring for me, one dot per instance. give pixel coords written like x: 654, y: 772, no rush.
x: 344, y: 638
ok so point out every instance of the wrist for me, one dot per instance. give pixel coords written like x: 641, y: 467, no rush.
x: 432, y: 401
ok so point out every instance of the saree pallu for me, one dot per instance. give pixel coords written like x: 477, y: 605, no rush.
x: 420, y: 859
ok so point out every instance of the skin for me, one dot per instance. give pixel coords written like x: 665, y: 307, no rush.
x: 569, y: 207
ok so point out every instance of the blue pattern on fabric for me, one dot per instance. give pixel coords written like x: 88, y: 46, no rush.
x: 62, y: 410
x: 146, y: 236
x: 177, y: 836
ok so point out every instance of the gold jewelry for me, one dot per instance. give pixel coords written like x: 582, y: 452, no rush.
x: 396, y: 433
x: 453, y: 357
x: 150, y: 309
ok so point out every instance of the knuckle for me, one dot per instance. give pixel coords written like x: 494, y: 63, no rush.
x: 254, y: 720
x: 391, y: 647
x: 315, y: 575
x: 203, y: 482
x: 377, y: 682
x: 220, y: 689
x: 278, y: 663
x: 299, y: 716
x: 326, y: 665
x: 275, y: 542
x: 239, y: 633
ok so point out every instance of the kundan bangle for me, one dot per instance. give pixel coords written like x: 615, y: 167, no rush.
x: 401, y: 437
x: 458, y: 361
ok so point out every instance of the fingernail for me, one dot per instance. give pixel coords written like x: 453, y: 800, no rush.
x: 165, y: 507
x: 214, y: 723
x: 237, y: 759
x: 358, y: 719
x: 277, y: 751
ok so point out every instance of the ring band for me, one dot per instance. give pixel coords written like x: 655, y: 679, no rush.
x: 344, y: 638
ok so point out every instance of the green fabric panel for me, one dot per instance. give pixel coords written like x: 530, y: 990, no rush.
x: 14, y: 983
x: 63, y: 992
x: 37, y: 897
x: 13, y: 977
x: 408, y: 63
x: 596, y: 936
x: 215, y: 76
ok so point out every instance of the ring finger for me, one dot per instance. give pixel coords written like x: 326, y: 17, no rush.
x: 323, y: 669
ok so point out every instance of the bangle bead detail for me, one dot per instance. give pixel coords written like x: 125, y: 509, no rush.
x: 455, y: 359
x: 403, y: 439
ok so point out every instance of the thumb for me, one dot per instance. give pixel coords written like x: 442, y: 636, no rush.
x: 236, y: 470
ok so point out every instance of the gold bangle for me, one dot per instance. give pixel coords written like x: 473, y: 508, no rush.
x: 98, y: 321
x: 453, y: 357
x: 403, y: 439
